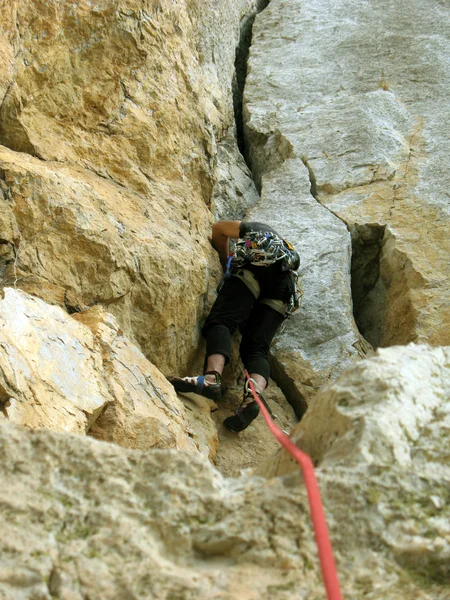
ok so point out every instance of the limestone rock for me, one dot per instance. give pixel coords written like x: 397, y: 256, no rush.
x: 234, y: 191
x: 380, y: 436
x: 122, y: 105
x: 201, y: 425
x: 61, y: 374
x: 144, y: 411
x: 49, y: 367
x: 78, y: 240
x: 132, y: 90
x: 181, y: 528
x: 81, y: 518
x: 358, y: 93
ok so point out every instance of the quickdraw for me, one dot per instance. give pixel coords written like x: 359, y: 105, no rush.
x: 264, y: 249
x: 297, y: 296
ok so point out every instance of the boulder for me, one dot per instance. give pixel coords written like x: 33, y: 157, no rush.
x: 380, y: 439
x: 80, y: 517
x: 83, y: 375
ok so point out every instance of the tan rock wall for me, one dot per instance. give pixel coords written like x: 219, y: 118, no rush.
x: 103, y: 84
x: 121, y: 105
x: 77, y: 239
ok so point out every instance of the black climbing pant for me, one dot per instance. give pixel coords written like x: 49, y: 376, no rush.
x: 235, y: 307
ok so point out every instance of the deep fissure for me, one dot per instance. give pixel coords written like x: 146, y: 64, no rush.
x: 287, y: 386
x: 312, y: 178
x: 241, y: 64
x: 369, y: 294
x: 368, y: 291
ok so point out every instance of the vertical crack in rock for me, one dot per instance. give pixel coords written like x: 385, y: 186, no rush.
x: 278, y: 149
x: 312, y: 178
x: 369, y: 295
x: 368, y: 291
x: 242, y: 52
x: 288, y: 387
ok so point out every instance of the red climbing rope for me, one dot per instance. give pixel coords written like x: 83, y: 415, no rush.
x: 328, y: 567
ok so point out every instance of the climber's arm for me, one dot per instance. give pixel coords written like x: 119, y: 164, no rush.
x: 221, y: 232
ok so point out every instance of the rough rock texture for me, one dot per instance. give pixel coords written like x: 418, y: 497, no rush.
x: 358, y: 91
x: 84, y: 376
x: 81, y: 518
x: 88, y: 83
x: 122, y: 104
x: 117, y: 149
x: 380, y: 436
x: 234, y: 191
x: 78, y: 240
x: 201, y: 425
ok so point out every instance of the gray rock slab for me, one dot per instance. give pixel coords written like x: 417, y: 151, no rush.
x: 358, y: 91
x: 327, y: 66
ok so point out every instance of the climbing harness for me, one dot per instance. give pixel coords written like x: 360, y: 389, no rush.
x: 327, y: 564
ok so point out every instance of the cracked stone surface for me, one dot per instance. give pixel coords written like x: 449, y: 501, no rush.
x: 320, y: 340
x: 117, y: 150
x: 80, y: 517
x: 359, y: 92
x: 234, y: 191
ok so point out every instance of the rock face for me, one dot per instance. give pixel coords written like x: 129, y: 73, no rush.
x: 117, y: 150
x: 75, y: 512
x: 84, y: 376
x: 93, y: 519
x: 121, y: 105
x: 380, y: 436
x: 358, y: 94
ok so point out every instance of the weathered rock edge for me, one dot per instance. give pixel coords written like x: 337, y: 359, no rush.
x: 81, y: 374
x: 380, y: 436
x: 81, y: 517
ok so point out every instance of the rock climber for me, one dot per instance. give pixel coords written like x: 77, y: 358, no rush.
x: 256, y: 294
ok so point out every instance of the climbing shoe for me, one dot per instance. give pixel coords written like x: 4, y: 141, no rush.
x: 247, y: 411
x: 245, y: 414
x: 198, y: 386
